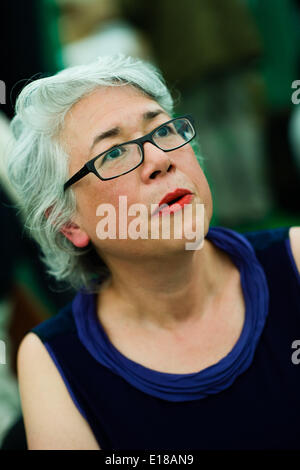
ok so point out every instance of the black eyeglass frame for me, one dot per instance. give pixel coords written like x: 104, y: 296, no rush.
x: 89, y: 166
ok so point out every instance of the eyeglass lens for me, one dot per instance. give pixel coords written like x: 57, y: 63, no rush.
x: 123, y: 158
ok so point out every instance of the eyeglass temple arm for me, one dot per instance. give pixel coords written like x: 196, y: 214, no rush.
x: 80, y: 174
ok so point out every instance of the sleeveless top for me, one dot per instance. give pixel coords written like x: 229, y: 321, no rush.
x: 247, y: 400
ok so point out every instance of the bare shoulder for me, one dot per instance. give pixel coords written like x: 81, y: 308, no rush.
x: 294, y: 234
x: 52, y: 421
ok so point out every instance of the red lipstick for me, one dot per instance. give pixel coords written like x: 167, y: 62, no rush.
x: 174, y: 201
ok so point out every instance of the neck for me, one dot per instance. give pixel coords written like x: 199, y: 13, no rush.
x: 166, y: 292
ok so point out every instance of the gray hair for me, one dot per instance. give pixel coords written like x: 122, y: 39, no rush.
x: 37, y: 164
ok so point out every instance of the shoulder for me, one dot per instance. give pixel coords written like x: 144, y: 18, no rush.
x: 294, y: 234
x: 51, y: 418
x: 62, y: 322
x: 263, y: 239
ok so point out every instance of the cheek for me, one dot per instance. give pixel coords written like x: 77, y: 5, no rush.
x: 93, y: 196
x: 96, y: 193
x: 201, y: 183
x: 197, y: 175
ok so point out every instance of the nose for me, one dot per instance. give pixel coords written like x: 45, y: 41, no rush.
x: 156, y: 162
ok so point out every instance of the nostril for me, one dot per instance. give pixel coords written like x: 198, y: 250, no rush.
x: 153, y: 175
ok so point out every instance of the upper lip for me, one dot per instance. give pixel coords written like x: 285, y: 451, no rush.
x: 179, y: 192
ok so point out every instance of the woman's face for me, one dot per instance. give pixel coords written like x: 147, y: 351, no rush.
x: 128, y: 114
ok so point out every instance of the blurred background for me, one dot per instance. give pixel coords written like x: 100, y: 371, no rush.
x: 232, y: 64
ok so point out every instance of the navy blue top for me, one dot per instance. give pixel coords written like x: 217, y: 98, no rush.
x: 247, y: 400
x: 213, y: 379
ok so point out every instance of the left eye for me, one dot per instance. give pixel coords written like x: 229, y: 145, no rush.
x: 164, y: 131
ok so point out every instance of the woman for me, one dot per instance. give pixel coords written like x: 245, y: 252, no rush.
x: 163, y: 347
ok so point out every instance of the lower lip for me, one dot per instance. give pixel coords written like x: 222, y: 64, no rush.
x: 177, y: 206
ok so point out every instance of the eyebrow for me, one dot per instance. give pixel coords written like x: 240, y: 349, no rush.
x: 115, y: 131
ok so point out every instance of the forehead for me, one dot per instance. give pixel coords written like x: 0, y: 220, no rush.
x: 106, y: 108
x: 103, y: 109
x: 109, y: 105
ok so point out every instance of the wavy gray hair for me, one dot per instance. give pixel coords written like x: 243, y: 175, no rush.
x: 37, y: 164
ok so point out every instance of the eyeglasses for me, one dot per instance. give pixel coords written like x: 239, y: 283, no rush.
x: 126, y: 157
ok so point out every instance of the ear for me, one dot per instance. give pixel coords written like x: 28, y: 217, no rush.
x: 73, y: 232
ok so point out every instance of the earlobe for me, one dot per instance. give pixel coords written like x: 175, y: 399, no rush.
x: 75, y: 234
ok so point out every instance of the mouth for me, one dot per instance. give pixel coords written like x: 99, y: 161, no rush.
x: 174, y: 201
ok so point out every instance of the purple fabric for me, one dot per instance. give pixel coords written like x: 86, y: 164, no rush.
x: 61, y: 371
x: 211, y: 380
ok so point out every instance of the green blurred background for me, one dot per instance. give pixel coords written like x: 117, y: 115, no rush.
x: 230, y: 63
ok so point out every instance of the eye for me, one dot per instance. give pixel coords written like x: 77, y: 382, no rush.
x: 164, y: 131
x: 114, y: 154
